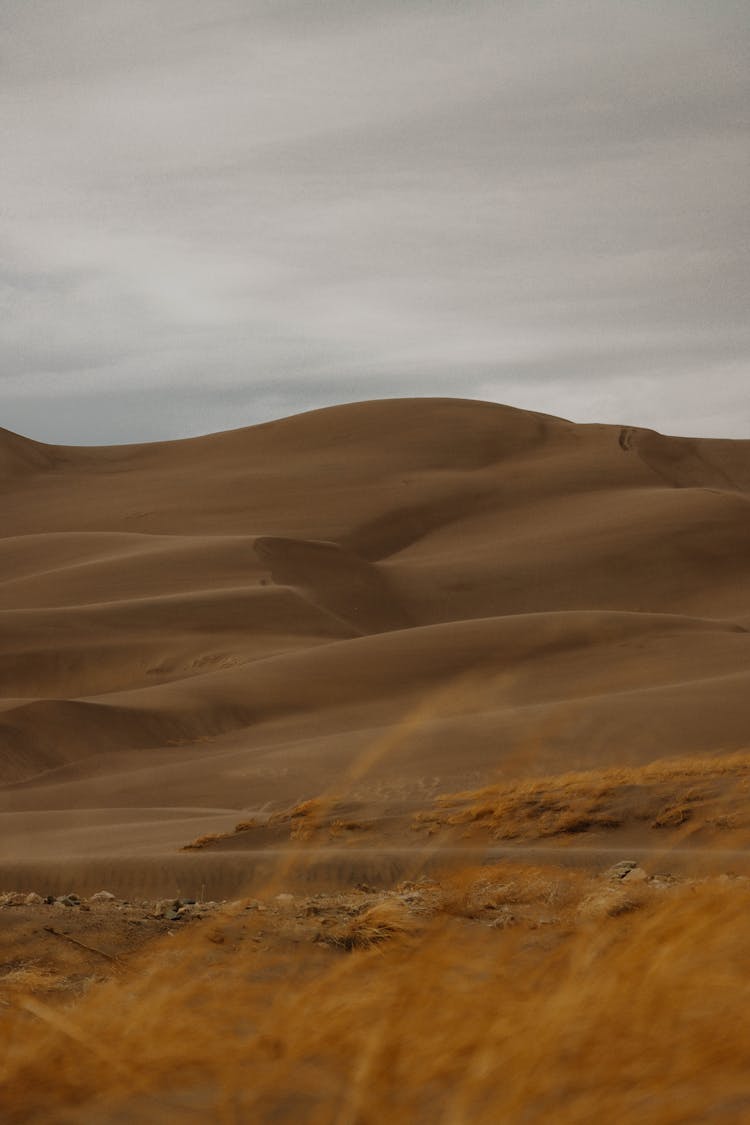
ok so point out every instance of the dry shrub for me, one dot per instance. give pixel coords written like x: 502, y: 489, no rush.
x: 340, y: 827
x: 313, y: 819
x: 304, y: 819
x: 210, y: 838
x: 640, y: 1017
x: 379, y: 923
x: 30, y: 978
x: 318, y: 818
x: 246, y: 825
x: 476, y: 892
x: 204, y: 841
x: 672, y: 817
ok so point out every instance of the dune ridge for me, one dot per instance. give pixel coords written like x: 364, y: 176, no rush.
x: 455, y: 589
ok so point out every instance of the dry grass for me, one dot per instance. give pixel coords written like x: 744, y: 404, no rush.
x: 382, y: 922
x: 204, y: 841
x: 500, y: 993
x: 430, y: 1011
x: 690, y: 795
x: 305, y: 819
x: 30, y: 977
x: 316, y: 819
x: 664, y: 795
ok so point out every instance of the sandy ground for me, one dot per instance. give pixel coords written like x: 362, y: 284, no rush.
x: 391, y: 601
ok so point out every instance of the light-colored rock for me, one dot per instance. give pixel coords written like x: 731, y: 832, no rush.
x: 103, y: 896
x: 621, y: 869
x: 285, y: 902
x: 12, y: 898
x: 33, y: 899
x: 663, y: 882
x: 635, y: 875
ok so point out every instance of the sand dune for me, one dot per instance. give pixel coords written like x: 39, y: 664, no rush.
x: 400, y: 598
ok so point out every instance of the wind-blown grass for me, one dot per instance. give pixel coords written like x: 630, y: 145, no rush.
x: 443, y: 1007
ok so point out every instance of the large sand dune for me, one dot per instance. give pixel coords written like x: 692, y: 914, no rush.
x: 394, y: 599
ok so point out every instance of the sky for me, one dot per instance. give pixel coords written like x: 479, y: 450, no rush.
x: 214, y: 214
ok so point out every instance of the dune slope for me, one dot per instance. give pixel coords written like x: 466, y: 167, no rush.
x: 396, y: 598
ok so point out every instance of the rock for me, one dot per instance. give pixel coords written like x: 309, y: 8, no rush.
x: 413, y: 899
x: 33, y: 899
x: 621, y: 869
x: 68, y: 900
x: 103, y: 896
x: 635, y: 875
x: 663, y: 882
x: 285, y: 902
x: 12, y: 898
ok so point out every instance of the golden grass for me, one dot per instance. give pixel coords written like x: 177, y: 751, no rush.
x: 204, y: 841
x: 30, y: 977
x: 497, y: 994
x: 566, y: 1014
x: 380, y: 923
x: 314, y: 819
x: 663, y: 794
x: 692, y: 795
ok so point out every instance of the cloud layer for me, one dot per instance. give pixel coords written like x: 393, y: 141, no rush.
x: 215, y: 214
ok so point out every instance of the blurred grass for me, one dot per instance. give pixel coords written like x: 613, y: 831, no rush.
x: 446, y: 1010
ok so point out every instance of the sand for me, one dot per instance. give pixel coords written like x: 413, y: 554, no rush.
x: 391, y: 600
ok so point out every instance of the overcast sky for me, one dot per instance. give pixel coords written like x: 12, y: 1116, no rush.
x: 215, y: 212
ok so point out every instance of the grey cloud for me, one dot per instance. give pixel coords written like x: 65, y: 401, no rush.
x: 267, y: 206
